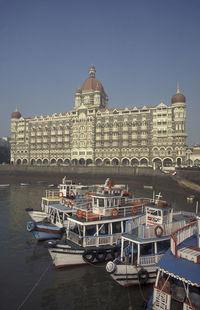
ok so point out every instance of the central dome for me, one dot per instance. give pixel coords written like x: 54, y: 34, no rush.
x: 92, y: 83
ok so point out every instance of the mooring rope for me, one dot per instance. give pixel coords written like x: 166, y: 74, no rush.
x: 33, y: 288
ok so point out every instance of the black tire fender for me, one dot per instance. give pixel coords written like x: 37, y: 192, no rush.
x: 143, y: 276
x: 50, y: 243
x: 101, y: 255
x: 30, y: 226
x: 89, y: 256
x: 29, y: 209
x: 115, y: 252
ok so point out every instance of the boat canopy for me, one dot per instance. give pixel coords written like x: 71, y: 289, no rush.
x: 181, y: 268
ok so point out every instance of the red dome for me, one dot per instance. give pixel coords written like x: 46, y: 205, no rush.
x: 92, y: 84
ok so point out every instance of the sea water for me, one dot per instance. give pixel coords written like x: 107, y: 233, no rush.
x: 29, y: 280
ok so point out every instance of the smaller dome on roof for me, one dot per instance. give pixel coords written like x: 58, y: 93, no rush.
x: 16, y: 114
x: 178, y: 97
x: 78, y: 91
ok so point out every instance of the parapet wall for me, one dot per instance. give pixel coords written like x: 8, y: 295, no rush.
x: 14, y: 170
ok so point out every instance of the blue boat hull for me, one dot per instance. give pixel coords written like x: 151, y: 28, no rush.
x: 43, y: 231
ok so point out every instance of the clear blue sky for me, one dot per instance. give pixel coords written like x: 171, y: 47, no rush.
x: 140, y: 50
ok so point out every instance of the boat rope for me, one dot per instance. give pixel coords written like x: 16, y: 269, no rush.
x: 153, y: 303
x: 140, y: 287
x: 34, y: 287
x: 130, y: 307
x: 187, y: 292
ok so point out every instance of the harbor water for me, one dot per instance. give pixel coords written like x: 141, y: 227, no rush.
x: 28, y: 279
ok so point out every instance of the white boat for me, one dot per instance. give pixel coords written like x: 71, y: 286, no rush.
x: 24, y: 184
x: 177, y: 283
x: 146, y: 240
x: 4, y: 185
x: 57, y: 206
x: 93, y: 232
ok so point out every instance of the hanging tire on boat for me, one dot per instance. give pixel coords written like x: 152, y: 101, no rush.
x: 114, y: 212
x: 134, y: 210
x: 115, y: 252
x: 50, y: 243
x: 143, y: 276
x: 89, y: 256
x: 30, y: 226
x: 110, y: 267
x: 29, y: 209
x: 158, y: 231
x: 101, y: 255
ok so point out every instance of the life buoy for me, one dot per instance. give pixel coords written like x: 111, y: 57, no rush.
x: 101, y: 255
x: 60, y: 194
x: 79, y: 213
x: 158, y: 231
x: 134, y: 210
x: 114, y: 212
x: 143, y: 276
x: 89, y: 256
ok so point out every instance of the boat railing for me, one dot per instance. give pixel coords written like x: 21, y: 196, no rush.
x: 134, y: 223
x: 149, y: 260
x: 73, y: 237
x: 52, y: 194
x: 85, y: 209
x: 93, y: 240
x: 147, y: 232
x: 180, y: 235
x: 100, y: 240
x: 188, y: 214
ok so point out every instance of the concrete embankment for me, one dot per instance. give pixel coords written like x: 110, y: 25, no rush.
x: 72, y: 170
x: 188, y: 184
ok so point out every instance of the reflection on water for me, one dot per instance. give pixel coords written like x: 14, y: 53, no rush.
x: 23, y: 261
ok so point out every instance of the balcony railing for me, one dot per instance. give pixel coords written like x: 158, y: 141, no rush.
x: 180, y: 235
x: 149, y: 260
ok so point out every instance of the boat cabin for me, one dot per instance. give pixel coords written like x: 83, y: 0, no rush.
x: 177, y: 284
x: 95, y: 233
x: 158, y: 214
x: 103, y: 203
x: 143, y: 251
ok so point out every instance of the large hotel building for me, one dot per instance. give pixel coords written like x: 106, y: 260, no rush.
x: 94, y: 134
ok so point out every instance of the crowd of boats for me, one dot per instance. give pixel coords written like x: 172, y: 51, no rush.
x: 140, y: 240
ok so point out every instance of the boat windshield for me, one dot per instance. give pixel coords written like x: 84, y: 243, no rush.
x: 163, y: 246
x: 147, y: 249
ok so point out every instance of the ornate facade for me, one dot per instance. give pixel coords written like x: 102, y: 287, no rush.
x: 93, y: 134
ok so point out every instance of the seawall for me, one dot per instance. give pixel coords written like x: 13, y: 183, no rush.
x: 189, y: 179
x: 72, y: 170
